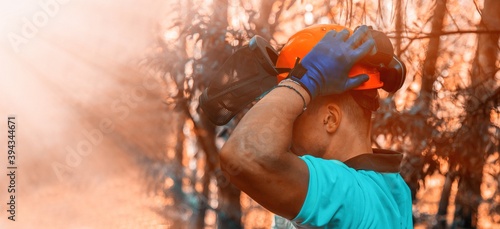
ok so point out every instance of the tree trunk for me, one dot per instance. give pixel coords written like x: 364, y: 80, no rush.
x: 399, y: 27
x: 428, y: 78
x: 205, y: 132
x: 262, y: 26
x: 429, y: 70
x: 177, y: 161
x: 444, y: 201
x: 487, y: 49
x: 229, y: 208
x: 229, y: 216
x: 466, y: 203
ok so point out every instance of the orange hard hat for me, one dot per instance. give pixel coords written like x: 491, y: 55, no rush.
x: 299, y: 44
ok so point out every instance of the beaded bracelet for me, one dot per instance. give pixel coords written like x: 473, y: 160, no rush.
x: 290, y: 80
x: 301, y: 96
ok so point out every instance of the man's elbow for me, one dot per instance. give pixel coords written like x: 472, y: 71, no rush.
x: 238, y: 156
x: 233, y: 149
x: 230, y: 159
x: 225, y: 155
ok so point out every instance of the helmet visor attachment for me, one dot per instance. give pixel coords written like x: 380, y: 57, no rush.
x: 246, y: 75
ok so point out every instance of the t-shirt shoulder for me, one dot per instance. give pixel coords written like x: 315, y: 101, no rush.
x: 341, y: 197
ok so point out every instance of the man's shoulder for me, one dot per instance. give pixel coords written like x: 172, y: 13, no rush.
x: 327, y: 167
x: 382, y: 161
x: 373, y: 195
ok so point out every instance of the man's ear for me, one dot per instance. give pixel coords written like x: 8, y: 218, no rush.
x: 333, y: 117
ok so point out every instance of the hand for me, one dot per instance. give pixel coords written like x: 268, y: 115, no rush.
x: 330, y: 61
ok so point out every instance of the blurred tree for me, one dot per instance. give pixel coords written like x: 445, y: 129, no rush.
x: 475, y: 132
x: 429, y: 76
x: 411, y: 121
x: 204, y: 41
x: 213, y: 45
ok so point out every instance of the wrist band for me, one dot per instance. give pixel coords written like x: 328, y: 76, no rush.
x: 291, y: 80
x: 301, y: 96
x: 294, y: 80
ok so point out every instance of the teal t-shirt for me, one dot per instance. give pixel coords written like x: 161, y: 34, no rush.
x: 342, y: 197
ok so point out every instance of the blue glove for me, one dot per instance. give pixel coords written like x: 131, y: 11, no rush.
x: 327, y: 65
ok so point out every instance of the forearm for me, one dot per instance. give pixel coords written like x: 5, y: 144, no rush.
x: 256, y: 157
x: 265, y: 132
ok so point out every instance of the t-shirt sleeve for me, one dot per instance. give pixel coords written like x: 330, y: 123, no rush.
x: 333, y: 193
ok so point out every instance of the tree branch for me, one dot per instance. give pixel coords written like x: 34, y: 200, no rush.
x: 442, y: 33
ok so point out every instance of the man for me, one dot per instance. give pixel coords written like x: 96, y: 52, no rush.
x: 315, y: 166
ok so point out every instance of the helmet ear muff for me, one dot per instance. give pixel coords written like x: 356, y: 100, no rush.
x: 392, y: 70
x: 247, y: 74
x: 393, y: 75
x: 383, y: 48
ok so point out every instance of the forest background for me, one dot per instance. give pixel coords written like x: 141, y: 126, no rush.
x: 445, y: 119
x: 110, y: 135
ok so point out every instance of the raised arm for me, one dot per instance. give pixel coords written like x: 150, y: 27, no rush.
x: 257, y: 159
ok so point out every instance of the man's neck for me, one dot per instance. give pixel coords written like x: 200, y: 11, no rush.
x: 349, y: 146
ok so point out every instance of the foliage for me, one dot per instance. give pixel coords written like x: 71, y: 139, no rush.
x: 450, y: 128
